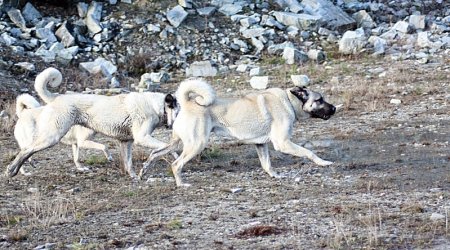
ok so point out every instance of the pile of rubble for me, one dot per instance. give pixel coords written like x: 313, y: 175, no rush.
x: 221, y: 32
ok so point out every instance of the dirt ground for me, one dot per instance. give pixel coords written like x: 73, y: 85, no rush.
x: 388, y: 189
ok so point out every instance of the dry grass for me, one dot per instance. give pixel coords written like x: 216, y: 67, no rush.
x: 259, y: 230
x: 43, y: 213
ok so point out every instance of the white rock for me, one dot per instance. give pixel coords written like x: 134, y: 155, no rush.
x: 201, y: 69
x: 93, y: 17
x: 422, y: 40
x: 7, y: 39
x: 436, y: 216
x: 16, y: 17
x: 26, y: 65
x: 395, y: 101
x: 300, y: 80
x: 417, y: 21
x: 99, y: 65
x: 242, y: 68
x: 292, y: 55
x: 206, y: 11
x: 403, y: 27
x: 352, y: 42
x: 259, y: 82
x: 185, y: 3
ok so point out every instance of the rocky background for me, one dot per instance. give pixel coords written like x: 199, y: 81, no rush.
x: 385, y: 63
x: 155, y: 41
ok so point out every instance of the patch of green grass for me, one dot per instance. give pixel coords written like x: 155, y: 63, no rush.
x: 96, y: 160
x: 212, y: 153
x: 174, y: 224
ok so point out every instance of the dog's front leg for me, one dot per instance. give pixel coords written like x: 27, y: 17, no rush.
x: 264, y: 158
x: 291, y: 148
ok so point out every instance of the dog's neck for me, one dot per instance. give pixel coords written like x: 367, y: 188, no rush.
x: 297, y: 105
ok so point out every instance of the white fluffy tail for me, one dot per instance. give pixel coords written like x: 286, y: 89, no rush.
x: 25, y: 101
x: 201, y: 92
x: 50, y: 76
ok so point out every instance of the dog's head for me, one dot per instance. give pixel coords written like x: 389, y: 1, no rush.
x: 313, y: 103
x: 171, y: 109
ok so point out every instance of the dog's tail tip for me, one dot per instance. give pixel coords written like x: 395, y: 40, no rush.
x: 50, y: 76
x: 205, y: 94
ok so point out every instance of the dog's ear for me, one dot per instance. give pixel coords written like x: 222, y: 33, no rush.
x: 301, y: 93
x: 171, y: 101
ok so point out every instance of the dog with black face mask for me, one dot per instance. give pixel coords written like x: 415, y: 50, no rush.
x: 257, y: 118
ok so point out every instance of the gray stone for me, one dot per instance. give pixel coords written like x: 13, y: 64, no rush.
x: 176, y: 16
x: 146, y: 81
x: 17, y: 18
x: 279, y: 48
x: 30, y: 13
x: 185, y: 3
x: 417, y: 21
x: 259, y: 82
x: 292, y: 31
x: 201, y: 69
x: 65, y: 36
x: 300, y: 80
x: 293, y: 5
x: 99, y: 65
x: 257, y: 44
x: 206, y: 11
x: 82, y: 9
x: 242, y: 68
x: 93, y: 17
x: 7, y: 39
x: 114, y: 83
x: 26, y: 65
x: 247, y: 22
x: 301, y: 21
x: 46, y: 55
x: 364, y: 20
x: 352, y: 42
x: 112, y: 2
x: 316, y: 55
x: 333, y: 17
x: 255, y: 32
x: 269, y: 21
x: 257, y: 71
x: 240, y: 45
x: 379, y: 45
x: 46, y: 35
x: 160, y: 77
x: 403, y: 27
x: 230, y: 9
x: 292, y: 55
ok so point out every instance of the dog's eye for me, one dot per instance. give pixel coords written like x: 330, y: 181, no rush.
x: 320, y: 101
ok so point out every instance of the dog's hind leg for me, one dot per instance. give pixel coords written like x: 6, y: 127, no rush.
x: 42, y: 143
x: 264, y: 158
x: 157, y: 153
x: 126, y: 154
x: 96, y: 145
x: 190, y: 150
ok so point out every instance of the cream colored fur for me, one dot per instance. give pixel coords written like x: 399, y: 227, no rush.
x: 127, y: 117
x: 28, y: 110
x: 258, y: 118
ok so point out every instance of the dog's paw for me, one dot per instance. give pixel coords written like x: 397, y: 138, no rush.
x: 324, y: 163
x: 184, y: 185
x: 83, y: 169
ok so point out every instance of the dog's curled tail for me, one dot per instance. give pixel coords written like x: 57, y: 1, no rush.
x: 49, y: 76
x: 25, y: 101
x: 199, y: 90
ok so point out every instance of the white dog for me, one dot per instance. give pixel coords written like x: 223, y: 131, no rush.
x: 28, y: 110
x: 258, y: 118
x: 125, y: 117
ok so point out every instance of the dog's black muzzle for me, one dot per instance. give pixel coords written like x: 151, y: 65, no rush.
x: 324, y: 113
